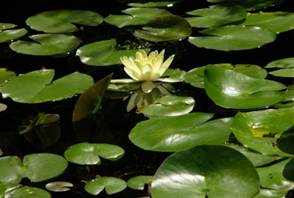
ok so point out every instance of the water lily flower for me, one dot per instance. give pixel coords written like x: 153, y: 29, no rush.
x: 145, y: 67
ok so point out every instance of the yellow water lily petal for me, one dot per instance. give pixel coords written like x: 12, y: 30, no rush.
x: 166, y: 64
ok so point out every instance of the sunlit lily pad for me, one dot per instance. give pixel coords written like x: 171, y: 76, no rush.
x: 59, y: 186
x: 233, y: 37
x: 90, y: 153
x: 102, y: 53
x: 5, y: 26
x: 135, y: 16
x: 284, y: 63
x: 215, y: 16
x: 288, y: 73
x: 46, y: 45
x: 36, y: 86
x: 111, y: 185
x: 9, y: 170
x: 274, y: 21
x: 139, y: 182
x: 5, y: 75
x: 28, y: 192
x: 63, y: 21
x: 11, y: 34
x: 152, y: 4
x: 169, y: 106
x: 170, y: 134
x: 270, y: 193
x: 248, y: 4
x: 165, y: 28
x: 231, y: 89
x: 260, y: 130
x: 3, y: 107
x: 212, y: 171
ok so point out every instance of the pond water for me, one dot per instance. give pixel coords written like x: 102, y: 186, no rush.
x: 112, y: 123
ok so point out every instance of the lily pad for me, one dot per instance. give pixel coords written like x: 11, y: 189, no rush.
x: 270, y: 193
x: 233, y: 37
x: 135, y: 16
x: 260, y: 130
x: 287, y: 73
x: 5, y: 75
x: 3, y: 107
x: 274, y: 21
x: 28, y: 192
x: 111, y: 185
x: 5, y: 26
x: 285, y: 141
x: 248, y: 4
x: 215, y: 16
x: 285, y: 63
x: 169, y: 106
x: 89, y: 102
x: 62, y: 21
x: 165, y: 28
x: 88, y: 153
x: 102, y: 53
x: 36, y: 86
x: 231, y: 89
x: 46, y: 45
x: 139, y: 182
x: 59, y: 186
x: 11, y: 34
x: 9, y: 170
x: 152, y: 4
x: 288, y: 171
x: 212, y: 171
x: 170, y: 134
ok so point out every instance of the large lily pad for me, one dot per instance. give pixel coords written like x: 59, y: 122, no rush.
x: 102, y: 53
x: 274, y: 21
x: 62, y: 21
x: 11, y: 34
x: 111, y: 185
x: 135, y: 16
x: 28, y: 192
x: 231, y: 89
x: 46, y: 45
x: 180, y: 132
x: 215, y: 16
x: 212, y: 171
x: 36, y: 86
x: 165, y: 28
x: 234, y: 37
x: 260, y: 130
x: 87, y: 153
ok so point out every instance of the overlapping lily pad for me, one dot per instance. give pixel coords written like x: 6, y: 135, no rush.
x: 260, y: 130
x: 165, y: 28
x: 231, y: 89
x: 139, y: 182
x: 170, y: 134
x: 135, y: 16
x: 8, y: 34
x: 28, y: 192
x: 5, y: 75
x: 5, y: 26
x: 37, y: 86
x: 46, y: 45
x: 102, y: 53
x: 234, y: 37
x: 90, y: 153
x: 248, y: 4
x: 212, y: 171
x: 284, y: 63
x: 111, y: 185
x: 63, y: 21
x: 215, y: 16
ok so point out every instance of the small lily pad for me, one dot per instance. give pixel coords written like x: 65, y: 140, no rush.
x: 153, y: 4
x: 233, y: 37
x: 285, y: 63
x: 5, y: 26
x: 102, y: 53
x: 112, y: 185
x: 88, y: 153
x: 165, y: 28
x: 28, y: 192
x: 11, y: 34
x: 9, y: 170
x: 62, y: 21
x: 59, y: 186
x: 287, y: 73
x: 36, y: 86
x: 3, y: 107
x: 46, y: 45
x: 139, y: 182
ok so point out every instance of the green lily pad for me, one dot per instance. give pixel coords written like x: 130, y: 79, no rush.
x: 288, y: 73
x: 169, y: 106
x: 175, y: 75
x: 43, y: 166
x: 88, y: 153
x: 5, y: 26
x: 28, y: 192
x: 274, y: 21
x: 102, y: 53
x: 89, y: 102
x: 215, y: 16
x: 260, y: 130
x: 270, y: 193
x: 111, y: 185
x: 233, y: 37
x: 62, y: 21
x: 59, y: 186
x: 170, y: 134
x: 12, y: 34
x: 5, y: 75
x: 231, y: 89
x: 195, y: 77
x: 248, y: 4
x: 285, y: 63
x: 135, y: 16
x: 139, y: 182
x: 153, y: 4
x: 9, y: 170
x: 36, y: 86
x: 165, y: 28
x: 46, y: 45
x: 285, y: 141
x: 3, y: 107
x: 212, y: 171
